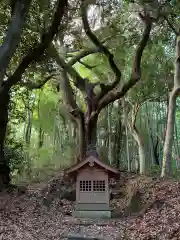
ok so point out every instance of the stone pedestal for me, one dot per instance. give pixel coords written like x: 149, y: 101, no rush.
x: 80, y: 237
x: 91, y: 213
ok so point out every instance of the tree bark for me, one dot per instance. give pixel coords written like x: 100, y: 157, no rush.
x: 4, y: 166
x: 109, y: 109
x: 177, y: 146
x: 129, y: 161
x: 139, y: 139
x: 7, y: 51
x: 87, y: 137
x: 82, y: 137
x: 141, y: 151
x: 150, y: 136
x: 41, y: 132
x: 13, y: 35
x: 91, y: 131
x: 40, y: 137
x: 87, y: 122
x: 127, y: 150
x: 156, y: 152
x: 118, y: 137
x: 169, y: 137
x: 29, y: 124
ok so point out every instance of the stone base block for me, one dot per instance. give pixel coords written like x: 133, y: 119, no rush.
x: 80, y: 237
x: 91, y: 214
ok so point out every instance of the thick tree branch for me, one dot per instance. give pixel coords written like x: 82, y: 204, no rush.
x: 87, y: 65
x: 72, y: 106
x: 132, y: 119
x: 31, y: 85
x: 12, y: 38
x: 78, y: 80
x: 136, y: 68
x: 83, y: 54
x: 100, y: 46
x: 68, y: 92
x: 35, y: 53
x: 105, y: 88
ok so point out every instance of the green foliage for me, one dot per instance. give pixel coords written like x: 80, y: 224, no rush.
x: 14, y: 156
x: 176, y: 174
x: 155, y: 170
x: 44, y: 112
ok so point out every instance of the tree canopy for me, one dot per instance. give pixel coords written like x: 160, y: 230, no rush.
x: 73, y: 74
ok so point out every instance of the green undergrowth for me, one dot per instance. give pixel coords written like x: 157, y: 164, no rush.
x: 41, y: 166
x: 155, y: 171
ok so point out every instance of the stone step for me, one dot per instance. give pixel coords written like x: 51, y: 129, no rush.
x: 81, y: 237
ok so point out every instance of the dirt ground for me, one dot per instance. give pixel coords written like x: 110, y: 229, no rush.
x: 143, y: 209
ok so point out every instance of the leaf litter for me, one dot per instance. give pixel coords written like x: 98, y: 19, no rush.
x: 27, y: 216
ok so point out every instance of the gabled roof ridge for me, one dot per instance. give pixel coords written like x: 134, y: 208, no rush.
x: 96, y: 160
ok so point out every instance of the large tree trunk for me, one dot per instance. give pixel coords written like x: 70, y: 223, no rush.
x: 41, y: 132
x: 81, y: 137
x: 13, y: 35
x: 4, y: 166
x: 87, y: 136
x: 87, y: 123
x: 118, y: 142
x: 139, y: 139
x: 118, y: 137
x: 156, y: 152
x: 125, y: 113
x: 150, y: 136
x: 7, y: 49
x: 127, y: 150
x: 40, y: 137
x: 169, y: 137
x: 141, y: 151
x: 177, y: 146
x: 109, y: 109
x: 91, y: 136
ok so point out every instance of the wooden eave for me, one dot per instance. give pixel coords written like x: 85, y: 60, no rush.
x: 92, y: 159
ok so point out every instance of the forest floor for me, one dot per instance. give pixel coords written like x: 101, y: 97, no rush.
x: 144, y: 208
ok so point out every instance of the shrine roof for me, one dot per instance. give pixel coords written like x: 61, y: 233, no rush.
x: 91, y: 160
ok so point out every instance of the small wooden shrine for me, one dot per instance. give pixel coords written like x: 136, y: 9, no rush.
x: 92, y: 187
